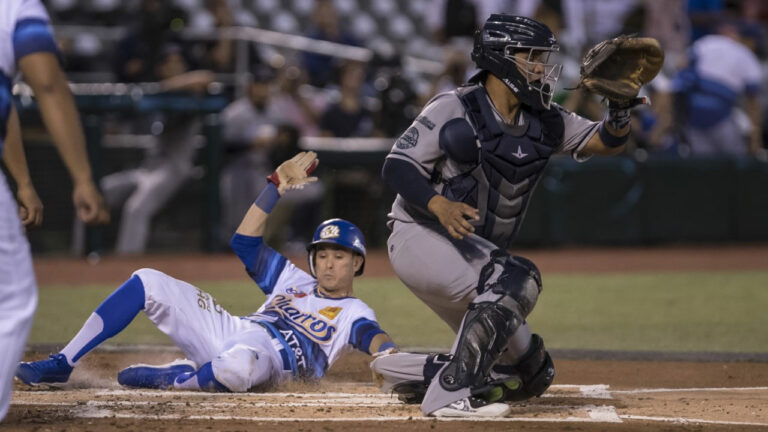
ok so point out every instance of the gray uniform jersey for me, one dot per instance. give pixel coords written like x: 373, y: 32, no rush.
x: 419, y: 145
x: 413, y: 247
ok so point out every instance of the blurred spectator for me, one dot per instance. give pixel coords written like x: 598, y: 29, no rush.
x: 299, y: 110
x: 257, y: 134
x: 167, y: 165
x: 455, y: 72
x: 721, y: 69
x: 668, y: 22
x: 138, y: 52
x: 325, y: 26
x: 704, y: 16
x: 350, y: 116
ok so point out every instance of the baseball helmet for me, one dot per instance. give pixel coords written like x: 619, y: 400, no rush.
x: 495, y: 46
x: 339, y: 232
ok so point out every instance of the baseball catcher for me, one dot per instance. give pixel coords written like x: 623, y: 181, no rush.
x: 464, y: 173
x: 306, y: 323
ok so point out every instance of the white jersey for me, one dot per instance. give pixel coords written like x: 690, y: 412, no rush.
x: 24, y: 29
x: 315, y: 328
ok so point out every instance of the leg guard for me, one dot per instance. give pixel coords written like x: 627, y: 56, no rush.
x: 508, y: 289
x: 487, y: 326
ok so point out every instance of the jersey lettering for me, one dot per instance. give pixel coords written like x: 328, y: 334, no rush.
x: 309, y: 324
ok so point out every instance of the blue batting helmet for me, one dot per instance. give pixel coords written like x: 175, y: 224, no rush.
x: 339, y: 232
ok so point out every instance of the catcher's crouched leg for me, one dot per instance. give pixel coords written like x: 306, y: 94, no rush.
x: 407, y: 374
x: 531, y: 375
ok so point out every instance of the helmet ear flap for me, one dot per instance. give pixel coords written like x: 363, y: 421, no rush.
x: 311, y: 261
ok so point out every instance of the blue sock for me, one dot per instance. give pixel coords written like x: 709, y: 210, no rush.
x: 110, y: 318
x: 202, y: 379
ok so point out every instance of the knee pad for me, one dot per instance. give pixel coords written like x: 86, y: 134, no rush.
x: 236, y: 367
x: 487, y: 326
x: 513, y: 276
x: 535, y: 369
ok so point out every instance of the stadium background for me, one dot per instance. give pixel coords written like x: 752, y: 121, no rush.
x: 648, y: 196
x: 655, y: 262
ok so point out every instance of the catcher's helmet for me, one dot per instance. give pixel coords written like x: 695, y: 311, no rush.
x: 339, y: 232
x: 497, y: 42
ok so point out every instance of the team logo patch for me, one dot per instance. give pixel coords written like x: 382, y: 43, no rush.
x: 429, y: 124
x: 330, y: 231
x: 408, y: 139
x: 330, y: 312
x: 295, y: 292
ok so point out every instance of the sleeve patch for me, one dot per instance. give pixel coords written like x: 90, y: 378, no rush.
x: 409, y: 139
x: 429, y: 124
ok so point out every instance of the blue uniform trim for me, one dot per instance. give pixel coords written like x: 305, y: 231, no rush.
x: 6, y: 104
x: 206, y: 379
x: 116, y: 312
x: 262, y: 263
x: 406, y: 180
x: 363, y: 332
x: 31, y: 36
x: 286, y: 352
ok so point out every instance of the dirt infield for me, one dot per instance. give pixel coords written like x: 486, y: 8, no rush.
x: 588, y: 395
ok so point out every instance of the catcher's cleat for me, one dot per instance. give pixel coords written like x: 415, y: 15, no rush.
x: 411, y: 392
x: 155, y: 377
x: 53, y: 370
x: 503, y: 390
x: 472, y: 407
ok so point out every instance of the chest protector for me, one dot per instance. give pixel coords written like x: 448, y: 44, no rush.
x: 507, y: 166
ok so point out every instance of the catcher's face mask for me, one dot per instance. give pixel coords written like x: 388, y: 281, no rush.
x: 533, y: 63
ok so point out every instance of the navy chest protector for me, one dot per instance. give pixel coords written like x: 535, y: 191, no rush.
x: 506, y: 167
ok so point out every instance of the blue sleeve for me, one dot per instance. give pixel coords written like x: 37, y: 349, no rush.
x: 406, y: 180
x: 363, y: 331
x: 32, y: 36
x: 262, y: 263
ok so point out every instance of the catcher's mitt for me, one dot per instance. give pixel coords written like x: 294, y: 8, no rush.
x: 617, y: 68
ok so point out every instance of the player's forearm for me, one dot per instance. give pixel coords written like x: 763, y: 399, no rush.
x: 13, y: 153
x: 381, y: 342
x: 59, y: 113
x: 255, y: 220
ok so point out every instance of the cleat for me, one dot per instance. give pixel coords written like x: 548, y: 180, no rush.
x: 410, y: 392
x: 155, y: 377
x: 53, y: 370
x: 503, y: 390
x: 472, y: 407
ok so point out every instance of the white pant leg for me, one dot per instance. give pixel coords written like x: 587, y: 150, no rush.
x: 454, y: 267
x: 18, y: 293
x: 189, y: 316
x: 250, y: 359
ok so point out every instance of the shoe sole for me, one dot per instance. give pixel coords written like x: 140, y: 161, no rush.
x: 53, y: 385
x: 488, y: 411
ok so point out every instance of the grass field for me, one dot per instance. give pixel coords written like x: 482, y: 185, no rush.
x: 701, y: 311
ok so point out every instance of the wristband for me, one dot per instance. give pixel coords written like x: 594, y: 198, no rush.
x: 267, y: 198
x: 611, y: 140
x: 387, y: 345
